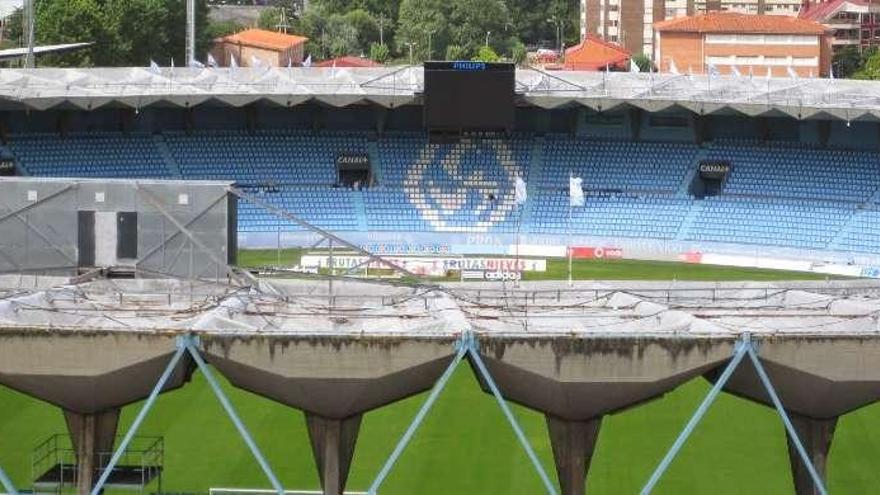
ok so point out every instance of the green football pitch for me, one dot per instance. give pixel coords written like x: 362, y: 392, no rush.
x: 465, y: 446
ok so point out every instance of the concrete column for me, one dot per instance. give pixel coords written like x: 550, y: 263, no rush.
x: 333, y: 442
x: 91, y: 435
x: 816, y: 436
x: 573, y: 443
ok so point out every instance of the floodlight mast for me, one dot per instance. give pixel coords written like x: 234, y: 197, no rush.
x: 190, y: 32
x: 30, y: 15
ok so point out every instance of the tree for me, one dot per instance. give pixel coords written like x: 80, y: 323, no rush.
x: 455, y: 52
x: 871, y: 68
x: 423, y: 23
x: 643, y: 62
x: 124, y: 33
x: 849, y: 60
x: 473, y: 19
x: 219, y: 29
x: 365, y: 26
x: 486, y: 54
x: 379, y: 53
x: 518, y: 52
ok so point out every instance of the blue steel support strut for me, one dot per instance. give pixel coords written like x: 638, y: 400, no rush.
x: 420, y: 416
x: 742, y: 347
x: 520, y: 435
x: 132, y: 430
x: 789, y: 427
x: 230, y: 411
x: 7, y: 483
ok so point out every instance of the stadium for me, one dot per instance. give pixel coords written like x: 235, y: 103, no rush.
x: 383, y: 280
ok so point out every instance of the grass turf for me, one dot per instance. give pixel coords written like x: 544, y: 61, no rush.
x: 465, y: 446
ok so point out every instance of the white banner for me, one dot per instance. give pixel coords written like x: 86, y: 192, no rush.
x: 429, y: 265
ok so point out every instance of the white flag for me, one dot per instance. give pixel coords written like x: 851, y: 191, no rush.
x: 232, y: 62
x: 196, y: 64
x: 255, y: 62
x: 575, y: 191
x: 308, y: 61
x: 154, y: 67
x: 735, y: 71
x: 633, y: 67
x: 672, y: 68
x: 713, y: 71
x: 519, y: 191
x: 831, y: 73
x: 212, y: 62
x: 791, y: 73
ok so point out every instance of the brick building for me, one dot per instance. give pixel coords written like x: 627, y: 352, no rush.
x: 271, y: 48
x: 853, y: 22
x: 631, y: 22
x: 748, y: 42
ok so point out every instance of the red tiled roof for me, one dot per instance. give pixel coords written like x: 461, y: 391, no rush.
x: 348, y: 61
x: 594, y: 53
x: 260, y: 38
x: 729, y: 22
x: 819, y: 11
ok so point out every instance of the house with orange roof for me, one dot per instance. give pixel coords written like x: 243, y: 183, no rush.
x: 731, y: 42
x: 269, y: 48
x: 594, y: 53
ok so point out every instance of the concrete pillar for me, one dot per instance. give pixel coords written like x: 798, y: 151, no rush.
x: 91, y: 435
x: 573, y: 443
x: 816, y: 436
x: 333, y: 442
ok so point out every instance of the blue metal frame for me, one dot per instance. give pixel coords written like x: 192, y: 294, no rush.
x: 466, y: 345
x: 743, y: 347
x: 132, y: 430
x: 7, y: 483
x: 789, y: 427
x: 187, y: 344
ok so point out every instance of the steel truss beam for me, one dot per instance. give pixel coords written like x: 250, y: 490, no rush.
x: 744, y: 347
x: 467, y: 345
x: 187, y: 344
x: 7, y: 483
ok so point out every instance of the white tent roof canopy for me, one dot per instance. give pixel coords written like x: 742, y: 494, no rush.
x: 137, y: 87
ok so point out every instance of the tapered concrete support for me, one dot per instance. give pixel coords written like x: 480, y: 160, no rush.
x: 573, y: 444
x: 816, y: 436
x: 91, y: 435
x: 333, y: 442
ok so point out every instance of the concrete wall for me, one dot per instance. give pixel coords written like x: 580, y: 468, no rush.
x: 39, y: 225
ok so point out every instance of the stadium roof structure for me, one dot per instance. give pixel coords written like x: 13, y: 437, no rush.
x: 303, y: 307
x: 803, y: 98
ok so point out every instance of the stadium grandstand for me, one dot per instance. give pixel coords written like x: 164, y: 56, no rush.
x: 803, y: 155
x: 167, y: 176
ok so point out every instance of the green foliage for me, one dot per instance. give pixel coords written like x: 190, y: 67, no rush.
x: 220, y: 29
x: 269, y: 18
x: 124, y: 33
x: 379, y: 53
x: 486, y: 54
x: 643, y: 61
x: 420, y: 20
x: 518, y: 52
x: 868, y: 67
x: 470, y: 20
x: 455, y: 52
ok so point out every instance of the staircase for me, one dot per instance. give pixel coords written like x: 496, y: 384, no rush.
x: 360, y: 209
x: 533, y: 179
x: 165, y: 153
x: 684, y: 230
x: 375, y: 164
x: 685, y: 185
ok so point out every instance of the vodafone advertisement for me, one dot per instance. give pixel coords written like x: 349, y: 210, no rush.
x: 596, y: 253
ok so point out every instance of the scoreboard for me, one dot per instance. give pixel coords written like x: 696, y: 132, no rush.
x: 469, y: 96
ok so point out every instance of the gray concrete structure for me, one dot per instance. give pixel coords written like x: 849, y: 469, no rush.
x: 182, y: 228
x: 574, y: 355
